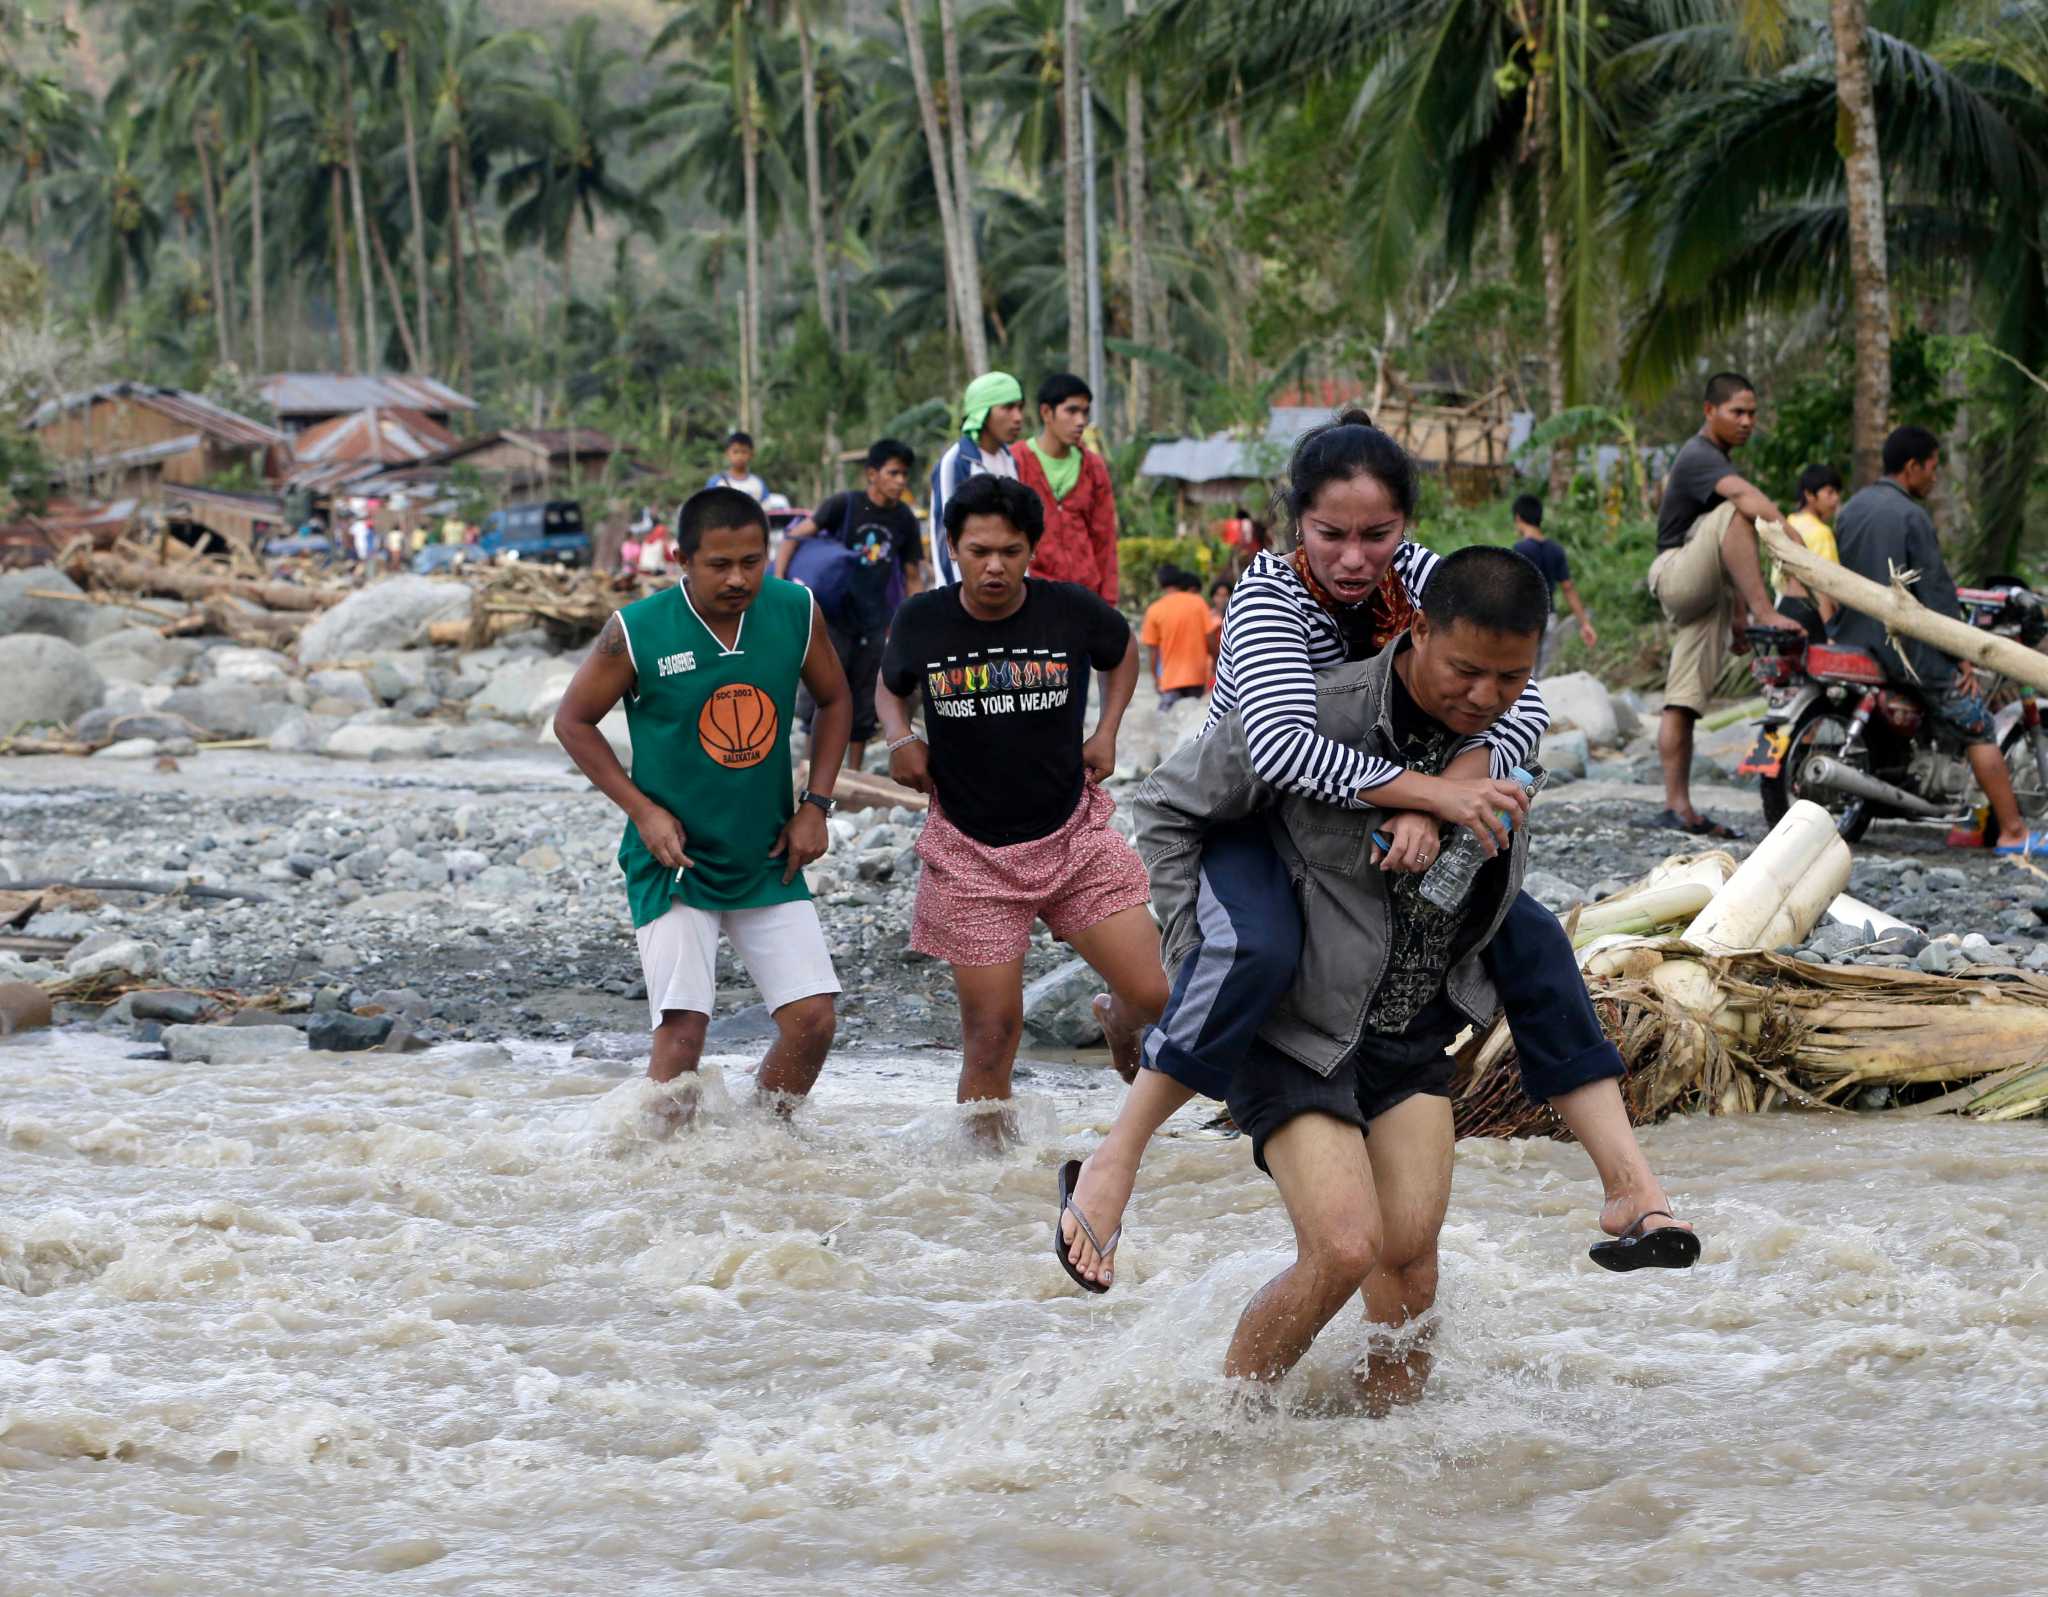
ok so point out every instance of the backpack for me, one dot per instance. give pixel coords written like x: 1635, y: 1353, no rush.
x: 827, y: 567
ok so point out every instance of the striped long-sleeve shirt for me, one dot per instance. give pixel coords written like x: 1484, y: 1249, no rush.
x: 1275, y: 638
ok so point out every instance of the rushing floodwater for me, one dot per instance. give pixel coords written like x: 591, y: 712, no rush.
x: 461, y: 1323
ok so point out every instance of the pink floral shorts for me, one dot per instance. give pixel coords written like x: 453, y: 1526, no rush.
x: 976, y: 902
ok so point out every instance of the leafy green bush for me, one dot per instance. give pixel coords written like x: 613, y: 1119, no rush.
x: 1610, y: 557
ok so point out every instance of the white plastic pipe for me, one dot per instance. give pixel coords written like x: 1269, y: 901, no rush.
x: 1739, y: 916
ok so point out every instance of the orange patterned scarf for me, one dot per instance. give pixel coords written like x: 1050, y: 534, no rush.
x: 1387, y: 613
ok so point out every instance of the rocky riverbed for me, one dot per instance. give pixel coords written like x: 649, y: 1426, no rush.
x: 478, y: 898
x: 408, y: 857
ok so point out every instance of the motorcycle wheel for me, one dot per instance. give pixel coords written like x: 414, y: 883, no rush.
x: 2026, y: 781
x: 1821, y: 730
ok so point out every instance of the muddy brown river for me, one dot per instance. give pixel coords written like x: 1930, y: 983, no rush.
x: 465, y: 1323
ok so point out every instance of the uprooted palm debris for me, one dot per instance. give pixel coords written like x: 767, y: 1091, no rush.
x: 231, y: 596
x: 1710, y: 1020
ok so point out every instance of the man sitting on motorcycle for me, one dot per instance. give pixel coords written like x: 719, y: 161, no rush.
x: 1882, y: 531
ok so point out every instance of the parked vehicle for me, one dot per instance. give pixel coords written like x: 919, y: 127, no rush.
x: 1863, y: 747
x: 302, y: 545
x: 550, y: 532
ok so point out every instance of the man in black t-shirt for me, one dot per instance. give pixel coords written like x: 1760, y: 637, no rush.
x: 886, y: 545
x: 1019, y: 827
x: 1709, y: 580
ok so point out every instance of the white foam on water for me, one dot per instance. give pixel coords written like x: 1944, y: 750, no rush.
x: 484, y: 1321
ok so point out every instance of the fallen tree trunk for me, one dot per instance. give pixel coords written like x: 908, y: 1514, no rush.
x: 1902, y: 613
x: 113, y: 571
x: 856, y: 790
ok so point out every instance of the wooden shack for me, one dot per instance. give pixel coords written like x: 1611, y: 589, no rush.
x: 537, y: 460
x: 134, y: 438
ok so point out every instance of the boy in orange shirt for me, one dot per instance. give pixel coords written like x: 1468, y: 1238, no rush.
x: 1176, y: 637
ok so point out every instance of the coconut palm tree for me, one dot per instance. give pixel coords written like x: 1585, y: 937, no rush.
x: 730, y: 34
x: 104, y: 202
x: 39, y: 123
x: 579, y: 122
x: 475, y: 87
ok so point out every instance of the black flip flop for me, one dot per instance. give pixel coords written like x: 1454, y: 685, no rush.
x: 1671, y: 1248
x: 1070, y: 1176
x: 1669, y: 821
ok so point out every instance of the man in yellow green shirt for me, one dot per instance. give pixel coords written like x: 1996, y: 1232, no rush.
x: 1820, y: 496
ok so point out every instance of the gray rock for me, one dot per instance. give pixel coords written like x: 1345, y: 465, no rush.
x: 1947, y: 878
x: 230, y: 1045
x: 231, y: 709
x: 1552, y: 891
x: 339, y: 1032
x: 1980, y: 950
x: 1565, y: 755
x: 1833, y: 938
x: 464, y: 863
x: 1580, y: 699
x: 127, y: 957
x: 130, y: 749
x: 512, y: 689
x: 400, y: 1001
x: 138, y: 654
x: 618, y: 1046
x: 2038, y: 958
x: 171, y: 1005
x: 300, y: 733
x: 261, y: 668
x: 392, y: 614
x: 388, y: 683
x: 358, y: 742
x: 45, y: 681
x: 77, y: 624
x: 476, y: 737
x: 348, y: 686
x: 108, y: 724
x: 1058, y: 1006
x: 751, y: 1024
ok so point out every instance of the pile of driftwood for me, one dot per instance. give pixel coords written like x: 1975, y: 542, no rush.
x: 1707, y: 1020
x: 231, y: 596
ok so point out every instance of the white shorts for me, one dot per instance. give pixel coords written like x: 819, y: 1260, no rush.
x: 782, y: 945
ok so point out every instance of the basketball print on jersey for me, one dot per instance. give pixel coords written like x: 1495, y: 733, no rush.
x: 737, y: 726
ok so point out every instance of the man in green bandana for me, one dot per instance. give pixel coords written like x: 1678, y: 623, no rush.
x: 1072, y: 483
x: 992, y: 419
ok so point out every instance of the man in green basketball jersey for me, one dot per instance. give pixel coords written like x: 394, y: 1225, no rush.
x: 715, y: 838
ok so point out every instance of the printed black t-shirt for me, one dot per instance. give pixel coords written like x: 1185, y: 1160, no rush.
x: 1005, y: 702
x: 886, y: 540
x: 1689, y: 488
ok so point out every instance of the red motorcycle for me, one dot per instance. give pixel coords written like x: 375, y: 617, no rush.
x: 1840, y: 732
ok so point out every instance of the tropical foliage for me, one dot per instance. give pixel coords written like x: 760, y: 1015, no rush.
x: 815, y: 220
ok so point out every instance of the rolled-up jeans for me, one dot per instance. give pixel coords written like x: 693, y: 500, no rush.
x: 1251, y: 931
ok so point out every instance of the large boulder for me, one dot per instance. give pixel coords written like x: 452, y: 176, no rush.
x: 1580, y: 699
x: 392, y: 614
x: 22, y: 611
x: 139, y: 654
x: 110, y: 725
x: 511, y: 693
x: 45, y: 681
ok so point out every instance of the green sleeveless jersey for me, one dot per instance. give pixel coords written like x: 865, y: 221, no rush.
x: 710, y: 729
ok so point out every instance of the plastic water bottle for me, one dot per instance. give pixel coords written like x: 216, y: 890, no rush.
x: 1448, y: 883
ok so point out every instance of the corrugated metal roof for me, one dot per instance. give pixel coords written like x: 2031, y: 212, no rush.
x: 546, y: 442
x: 387, y: 436
x: 332, y: 393
x: 1232, y: 456
x: 182, y: 405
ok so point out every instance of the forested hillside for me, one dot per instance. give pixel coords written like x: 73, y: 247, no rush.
x: 663, y: 219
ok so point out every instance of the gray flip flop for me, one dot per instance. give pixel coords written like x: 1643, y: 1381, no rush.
x: 1070, y: 1176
